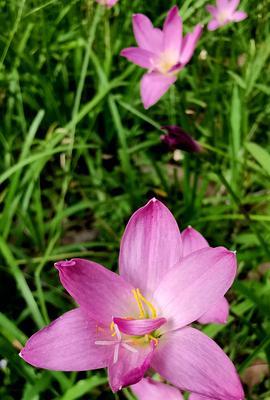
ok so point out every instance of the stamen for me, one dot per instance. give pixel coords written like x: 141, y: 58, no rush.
x: 116, y: 353
x: 105, y: 342
x: 142, y: 312
x: 112, y: 328
x: 128, y: 347
x: 154, y: 339
x: 149, y: 305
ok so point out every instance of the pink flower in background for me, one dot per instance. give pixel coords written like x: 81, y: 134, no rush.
x: 141, y: 318
x: 163, y: 52
x: 224, y: 12
x: 107, y: 3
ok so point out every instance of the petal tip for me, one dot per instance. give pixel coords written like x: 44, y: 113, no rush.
x: 65, y: 263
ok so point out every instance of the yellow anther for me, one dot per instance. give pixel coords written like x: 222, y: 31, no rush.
x: 137, y: 298
x: 149, y: 305
x: 112, y: 328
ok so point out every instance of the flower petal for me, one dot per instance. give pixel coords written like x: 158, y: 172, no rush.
x: 147, y: 37
x: 190, y: 288
x: 101, y: 292
x: 192, y: 361
x: 150, y: 247
x: 223, y: 4
x: 217, y: 314
x: 172, y: 31
x: 232, y: 5
x: 130, y: 366
x: 148, y: 389
x: 138, y: 327
x: 212, y: 10
x: 192, y: 241
x: 238, y: 16
x: 138, y: 56
x: 213, y: 25
x: 67, y: 344
x: 153, y: 86
x: 189, y: 44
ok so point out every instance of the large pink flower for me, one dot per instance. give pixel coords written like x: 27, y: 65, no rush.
x: 141, y: 318
x: 224, y: 12
x: 163, y: 52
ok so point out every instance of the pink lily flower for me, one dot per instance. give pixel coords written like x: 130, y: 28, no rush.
x: 141, y: 318
x: 224, y: 13
x: 107, y: 3
x: 148, y: 389
x: 163, y: 52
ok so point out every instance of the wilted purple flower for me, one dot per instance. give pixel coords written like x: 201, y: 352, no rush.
x: 177, y: 138
x: 223, y: 13
x: 141, y: 318
x: 163, y: 52
x: 107, y: 3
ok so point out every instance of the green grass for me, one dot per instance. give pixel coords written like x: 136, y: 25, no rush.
x: 79, y: 154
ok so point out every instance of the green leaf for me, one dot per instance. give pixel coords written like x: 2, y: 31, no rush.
x: 260, y: 155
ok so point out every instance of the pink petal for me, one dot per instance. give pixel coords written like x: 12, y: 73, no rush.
x: 189, y: 44
x: 189, y: 289
x: 102, y: 293
x: 138, y: 56
x: 217, y: 314
x: 153, y: 86
x: 213, y: 25
x: 232, y: 5
x: 148, y: 389
x: 172, y: 31
x: 222, y: 4
x: 239, y: 16
x: 191, y: 361
x: 67, y: 344
x: 192, y: 241
x: 195, y: 396
x: 150, y: 246
x: 138, y: 327
x: 212, y: 10
x: 130, y: 366
x: 147, y: 37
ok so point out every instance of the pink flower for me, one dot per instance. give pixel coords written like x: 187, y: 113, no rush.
x: 141, y: 318
x: 148, y: 389
x: 107, y: 3
x: 223, y: 13
x: 163, y: 52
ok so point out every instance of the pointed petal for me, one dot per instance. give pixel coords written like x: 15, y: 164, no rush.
x: 190, y: 288
x: 153, y: 86
x: 217, y: 314
x: 213, y: 25
x: 232, y: 5
x: 148, y: 389
x: 212, y: 10
x: 102, y: 293
x: 67, y: 344
x: 189, y: 44
x: 130, y: 366
x: 239, y: 16
x: 138, y: 56
x: 172, y: 31
x: 147, y: 37
x: 222, y: 4
x: 138, y: 327
x: 150, y: 247
x: 191, y: 361
x: 192, y: 241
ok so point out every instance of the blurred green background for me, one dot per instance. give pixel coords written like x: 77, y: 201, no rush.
x: 79, y: 154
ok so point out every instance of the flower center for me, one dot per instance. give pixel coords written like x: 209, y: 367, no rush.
x: 166, y: 62
x: 223, y: 17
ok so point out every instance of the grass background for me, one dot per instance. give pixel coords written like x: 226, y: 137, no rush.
x: 79, y: 154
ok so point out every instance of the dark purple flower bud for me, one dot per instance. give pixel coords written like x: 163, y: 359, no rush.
x: 177, y: 138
